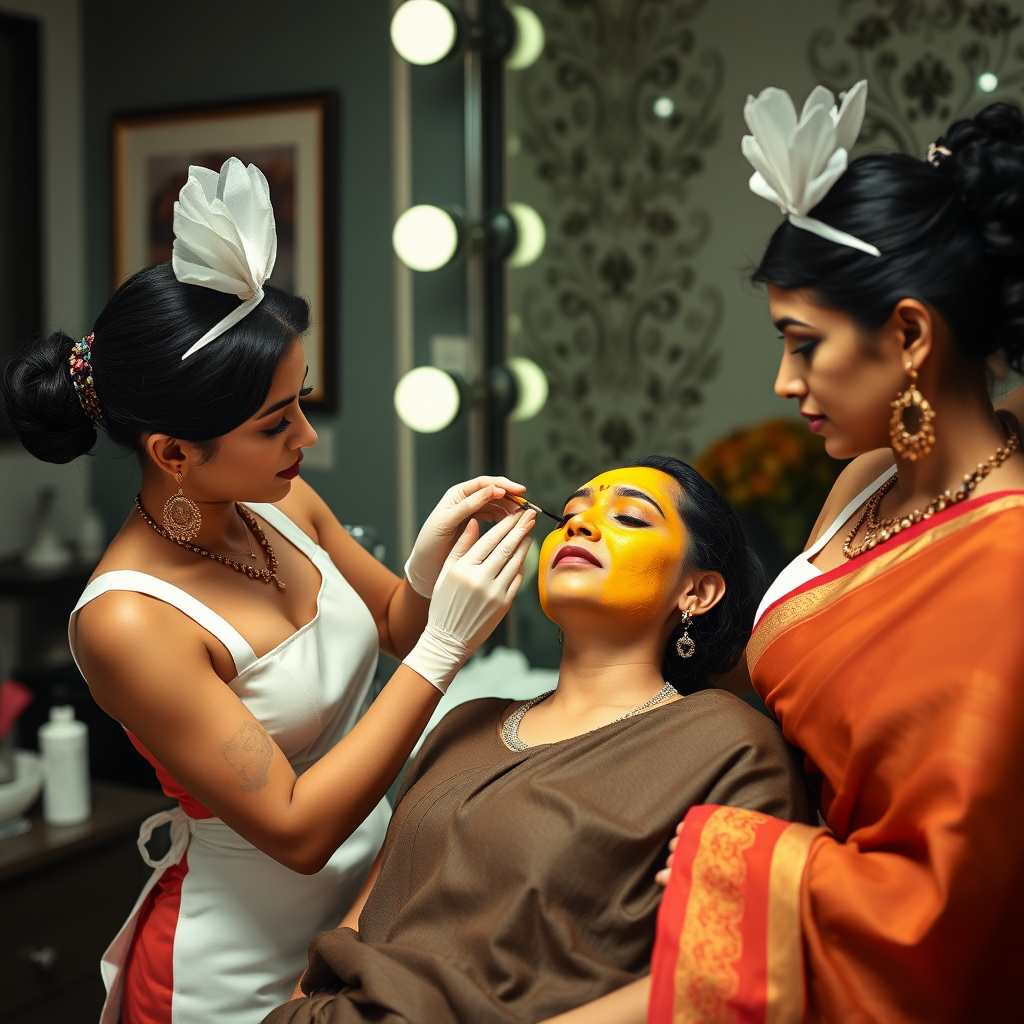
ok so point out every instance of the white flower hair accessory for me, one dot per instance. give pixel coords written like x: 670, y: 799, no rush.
x: 225, y: 237
x: 795, y: 161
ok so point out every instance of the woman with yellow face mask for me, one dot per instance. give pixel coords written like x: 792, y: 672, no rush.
x: 517, y: 877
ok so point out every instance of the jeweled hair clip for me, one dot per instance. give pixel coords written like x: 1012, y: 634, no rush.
x: 80, y: 362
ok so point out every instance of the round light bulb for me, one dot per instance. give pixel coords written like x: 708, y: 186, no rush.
x: 530, y: 234
x: 988, y: 82
x: 423, y: 31
x: 531, y: 388
x: 427, y: 399
x: 425, y: 237
x: 664, y: 107
x: 529, y: 44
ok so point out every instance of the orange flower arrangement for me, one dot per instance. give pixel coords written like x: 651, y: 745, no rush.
x: 777, y: 471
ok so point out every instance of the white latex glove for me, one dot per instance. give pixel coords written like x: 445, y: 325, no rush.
x: 478, y: 581
x: 438, y: 534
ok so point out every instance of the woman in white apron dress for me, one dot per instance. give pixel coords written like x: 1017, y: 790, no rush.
x: 232, y: 626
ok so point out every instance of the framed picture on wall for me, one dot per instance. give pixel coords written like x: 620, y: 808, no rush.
x: 293, y: 142
x: 21, y: 174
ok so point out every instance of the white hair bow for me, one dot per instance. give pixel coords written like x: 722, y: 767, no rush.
x: 797, y: 162
x: 225, y: 237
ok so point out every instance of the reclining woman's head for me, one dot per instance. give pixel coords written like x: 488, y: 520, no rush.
x: 638, y: 547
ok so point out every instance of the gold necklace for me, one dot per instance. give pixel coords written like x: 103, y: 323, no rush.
x: 877, y: 530
x: 268, y: 575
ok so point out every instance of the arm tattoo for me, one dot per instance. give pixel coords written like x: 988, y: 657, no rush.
x: 249, y: 752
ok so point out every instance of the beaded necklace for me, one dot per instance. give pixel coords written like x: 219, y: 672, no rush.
x: 268, y: 575
x: 878, y: 530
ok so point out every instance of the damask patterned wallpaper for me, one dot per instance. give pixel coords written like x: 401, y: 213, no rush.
x: 612, y: 127
x: 625, y: 137
x: 924, y: 62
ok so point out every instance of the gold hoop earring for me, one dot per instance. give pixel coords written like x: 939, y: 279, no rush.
x: 182, y: 518
x: 685, y: 645
x: 905, y: 444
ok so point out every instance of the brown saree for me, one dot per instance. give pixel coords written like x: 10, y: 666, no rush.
x: 515, y: 886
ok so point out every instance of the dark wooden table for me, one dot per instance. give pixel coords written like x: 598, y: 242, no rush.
x: 17, y: 579
x: 64, y: 893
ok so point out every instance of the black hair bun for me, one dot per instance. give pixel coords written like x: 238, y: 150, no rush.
x: 986, y: 160
x: 986, y: 165
x: 41, y: 403
x: 143, y: 383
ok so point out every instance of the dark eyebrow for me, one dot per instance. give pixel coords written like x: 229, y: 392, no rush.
x: 273, y: 408
x: 280, y: 405
x: 583, y: 492
x: 632, y: 492
x: 788, y: 321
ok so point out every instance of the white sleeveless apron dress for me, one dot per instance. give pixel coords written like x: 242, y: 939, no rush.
x: 244, y: 922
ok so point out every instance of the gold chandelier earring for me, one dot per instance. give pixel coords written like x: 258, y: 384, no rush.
x: 918, y: 444
x: 685, y: 645
x: 182, y: 518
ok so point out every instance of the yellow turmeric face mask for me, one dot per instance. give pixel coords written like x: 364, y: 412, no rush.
x: 622, y: 546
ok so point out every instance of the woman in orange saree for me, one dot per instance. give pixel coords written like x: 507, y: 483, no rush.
x: 889, y: 652
x: 908, y: 907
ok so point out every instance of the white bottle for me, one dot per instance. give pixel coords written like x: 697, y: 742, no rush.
x: 64, y: 744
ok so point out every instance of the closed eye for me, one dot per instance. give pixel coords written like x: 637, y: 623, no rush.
x: 806, y: 349
x: 632, y: 521
x: 305, y: 392
x: 279, y: 429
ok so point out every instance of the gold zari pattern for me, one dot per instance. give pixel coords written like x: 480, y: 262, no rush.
x: 791, y: 610
x: 706, y: 978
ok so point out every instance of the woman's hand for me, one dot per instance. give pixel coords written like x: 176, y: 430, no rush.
x: 475, y: 589
x: 479, y: 498
x: 662, y: 876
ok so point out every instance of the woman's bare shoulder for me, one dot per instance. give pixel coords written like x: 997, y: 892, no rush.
x: 163, y: 645
x: 861, y: 472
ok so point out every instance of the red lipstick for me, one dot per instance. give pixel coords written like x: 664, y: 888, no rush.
x: 573, y: 554
x: 292, y: 471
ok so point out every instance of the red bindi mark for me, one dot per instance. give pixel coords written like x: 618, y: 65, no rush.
x: 602, y: 487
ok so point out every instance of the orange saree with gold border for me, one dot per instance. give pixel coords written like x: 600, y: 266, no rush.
x: 901, y: 677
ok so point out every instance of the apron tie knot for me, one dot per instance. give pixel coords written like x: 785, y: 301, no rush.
x: 179, y: 836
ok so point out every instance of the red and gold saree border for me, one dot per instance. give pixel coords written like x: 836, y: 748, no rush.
x: 822, y: 591
x: 728, y: 948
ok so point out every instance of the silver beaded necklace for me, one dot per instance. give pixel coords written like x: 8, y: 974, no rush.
x: 510, y: 730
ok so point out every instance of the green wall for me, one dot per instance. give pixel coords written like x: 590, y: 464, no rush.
x: 157, y: 54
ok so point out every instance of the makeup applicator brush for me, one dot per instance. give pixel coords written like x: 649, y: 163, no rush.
x: 523, y: 503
